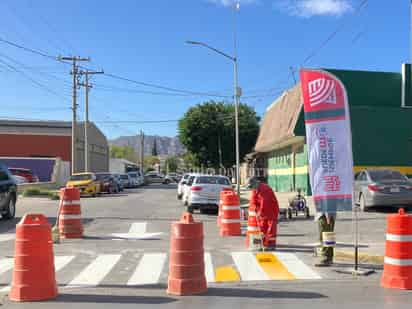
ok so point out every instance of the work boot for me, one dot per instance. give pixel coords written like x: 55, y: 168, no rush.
x: 325, y: 262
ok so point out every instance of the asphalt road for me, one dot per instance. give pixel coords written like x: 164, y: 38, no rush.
x: 113, y: 266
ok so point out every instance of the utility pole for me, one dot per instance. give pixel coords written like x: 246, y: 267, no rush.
x: 74, y: 72
x: 141, y: 151
x: 87, y: 86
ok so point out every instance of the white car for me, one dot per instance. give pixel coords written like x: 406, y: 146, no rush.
x: 203, y: 192
x: 136, y: 179
x: 181, y: 184
x: 19, y: 179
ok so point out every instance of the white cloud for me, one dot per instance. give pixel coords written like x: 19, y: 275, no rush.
x: 231, y: 3
x: 309, y: 8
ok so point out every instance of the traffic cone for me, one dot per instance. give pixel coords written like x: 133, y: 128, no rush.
x: 252, y: 224
x: 230, y: 222
x: 186, y: 263
x: 70, y: 217
x: 220, y: 213
x: 33, y: 274
x: 397, y: 270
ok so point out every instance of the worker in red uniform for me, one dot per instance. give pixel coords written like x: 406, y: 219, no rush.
x: 267, y: 210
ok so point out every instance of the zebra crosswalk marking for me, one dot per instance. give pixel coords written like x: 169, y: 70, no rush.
x: 93, y: 274
x: 209, y: 271
x: 138, y: 228
x: 273, y: 267
x: 295, y: 266
x: 6, y: 265
x: 226, y: 274
x: 248, y: 267
x: 149, y: 269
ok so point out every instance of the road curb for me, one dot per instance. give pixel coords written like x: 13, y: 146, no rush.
x: 363, y: 257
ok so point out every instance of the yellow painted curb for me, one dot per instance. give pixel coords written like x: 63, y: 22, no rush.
x: 363, y: 257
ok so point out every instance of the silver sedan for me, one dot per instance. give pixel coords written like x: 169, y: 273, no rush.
x: 382, y: 188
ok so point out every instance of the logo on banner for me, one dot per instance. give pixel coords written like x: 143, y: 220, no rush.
x: 322, y: 90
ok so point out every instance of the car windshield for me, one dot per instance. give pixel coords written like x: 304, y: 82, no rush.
x: 383, y: 175
x: 124, y: 177
x: 210, y: 180
x: 102, y: 176
x: 81, y: 177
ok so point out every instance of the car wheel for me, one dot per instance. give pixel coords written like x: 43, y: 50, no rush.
x: 362, y: 205
x: 167, y: 181
x: 10, y: 210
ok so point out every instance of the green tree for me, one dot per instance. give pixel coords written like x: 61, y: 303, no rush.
x: 154, y: 148
x: 172, y: 164
x: 151, y: 161
x: 123, y: 152
x: 210, y: 126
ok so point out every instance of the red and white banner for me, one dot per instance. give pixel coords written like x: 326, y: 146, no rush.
x: 329, y: 140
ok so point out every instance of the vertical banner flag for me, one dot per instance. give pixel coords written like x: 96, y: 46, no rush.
x: 329, y: 140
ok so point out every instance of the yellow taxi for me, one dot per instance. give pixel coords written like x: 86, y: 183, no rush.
x: 87, y: 183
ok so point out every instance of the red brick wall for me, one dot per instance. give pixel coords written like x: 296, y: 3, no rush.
x: 13, y: 145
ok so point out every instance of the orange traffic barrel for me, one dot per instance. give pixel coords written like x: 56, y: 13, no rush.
x: 220, y: 212
x: 230, y: 221
x: 33, y: 274
x: 70, y: 217
x: 186, y: 262
x: 397, y: 271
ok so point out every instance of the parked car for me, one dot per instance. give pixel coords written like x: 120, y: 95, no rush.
x: 87, y: 183
x: 375, y: 188
x: 173, y: 177
x: 24, y: 172
x: 107, y: 182
x: 126, y: 181
x: 119, y: 183
x: 137, y: 178
x: 8, y: 194
x: 154, y: 177
x: 19, y: 179
x: 203, y: 192
x: 182, y: 183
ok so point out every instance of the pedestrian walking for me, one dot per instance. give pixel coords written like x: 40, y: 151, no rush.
x: 326, y: 223
x: 267, y: 210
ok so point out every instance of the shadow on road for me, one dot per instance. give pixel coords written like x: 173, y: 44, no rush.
x: 8, y: 225
x: 254, y: 293
x: 113, y: 299
x: 161, y: 186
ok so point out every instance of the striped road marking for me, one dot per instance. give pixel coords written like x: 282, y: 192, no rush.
x: 248, y: 267
x: 59, y: 263
x: 226, y: 274
x: 93, y: 274
x: 138, y: 228
x: 273, y: 267
x: 296, y: 267
x: 7, y: 237
x: 209, y: 272
x: 6, y: 265
x: 149, y: 269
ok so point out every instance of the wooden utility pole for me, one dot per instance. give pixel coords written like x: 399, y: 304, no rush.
x: 74, y: 72
x: 87, y: 86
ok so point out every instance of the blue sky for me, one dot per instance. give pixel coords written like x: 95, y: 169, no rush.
x: 145, y: 41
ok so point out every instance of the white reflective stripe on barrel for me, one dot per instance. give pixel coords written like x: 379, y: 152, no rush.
x: 394, y: 237
x: 252, y: 213
x: 68, y: 217
x: 225, y: 207
x: 398, y: 262
x: 252, y: 229
x: 230, y: 221
x: 71, y: 203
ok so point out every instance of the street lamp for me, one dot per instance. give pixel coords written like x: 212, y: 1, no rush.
x: 237, y: 95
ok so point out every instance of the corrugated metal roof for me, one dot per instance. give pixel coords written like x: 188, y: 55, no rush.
x: 280, y: 120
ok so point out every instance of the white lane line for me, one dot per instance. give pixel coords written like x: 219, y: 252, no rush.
x: 295, y: 266
x: 248, y: 267
x: 93, y: 274
x: 7, y: 237
x: 135, y: 236
x: 209, y: 271
x: 6, y: 265
x: 149, y: 269
x: 59, y: 263
x: 138, y: 228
